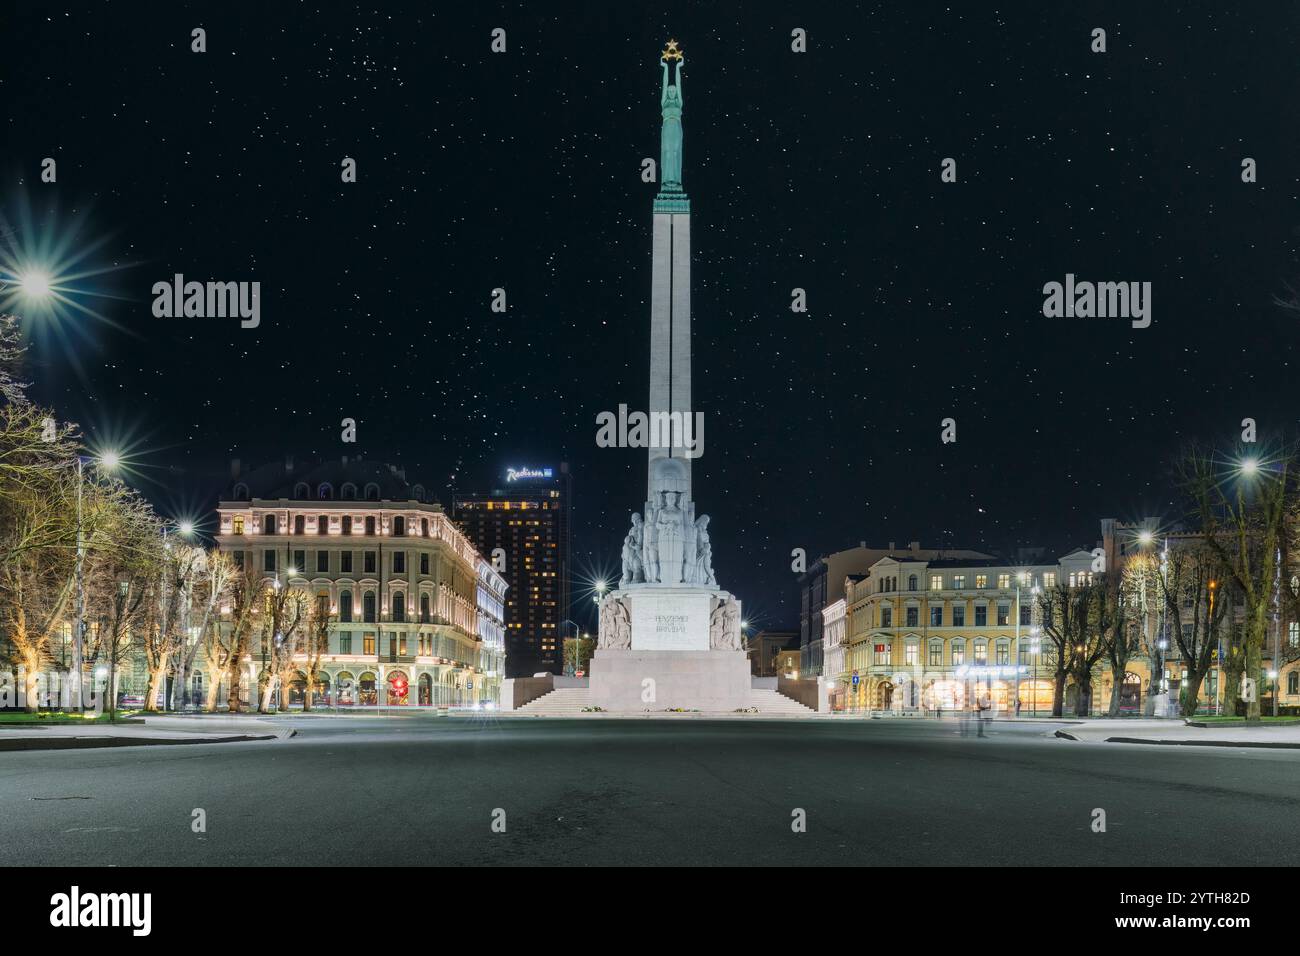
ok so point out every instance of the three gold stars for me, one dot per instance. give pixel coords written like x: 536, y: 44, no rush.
x: 671, y: 52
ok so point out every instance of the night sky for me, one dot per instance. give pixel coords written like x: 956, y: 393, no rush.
x: 817, y: 170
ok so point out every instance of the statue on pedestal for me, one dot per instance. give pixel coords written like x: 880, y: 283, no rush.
x: 703, y: 571
x: 633, y: 547
x: 671, y: 538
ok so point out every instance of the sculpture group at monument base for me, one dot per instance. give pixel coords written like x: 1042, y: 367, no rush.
x: 640, y: 681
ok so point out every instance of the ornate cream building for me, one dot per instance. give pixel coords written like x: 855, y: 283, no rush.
x: 416, y: 610
x: 925, y: 634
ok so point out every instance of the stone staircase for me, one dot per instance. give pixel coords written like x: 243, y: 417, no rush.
x: 570, y: 701
x: 774, y: 702
x: 561, y: 702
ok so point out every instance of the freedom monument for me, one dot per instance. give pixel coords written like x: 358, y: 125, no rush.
x: 669, y: 637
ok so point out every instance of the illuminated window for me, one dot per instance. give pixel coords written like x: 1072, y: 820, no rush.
x: 958, y: 653
x: 936, y: 582
x: 1049, y: 579
x: 1004, y: 580
x: 981, y: 653
x: 1003, y: 653
x: 981, y: 581
x: 958, y: 581
x: 912, y: 655
x: 368, y: 644
x: 883, y: 655
x: 936, y: 654
x: 237, y: 525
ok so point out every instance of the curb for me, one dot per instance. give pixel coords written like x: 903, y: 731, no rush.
x: 1267, y: 744
x: 97, y: 743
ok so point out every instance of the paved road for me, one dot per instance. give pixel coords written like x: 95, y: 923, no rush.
x: 422, y: 790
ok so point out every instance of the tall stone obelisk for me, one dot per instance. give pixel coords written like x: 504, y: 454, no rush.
x: 670, y: 638
x: 670, y: 284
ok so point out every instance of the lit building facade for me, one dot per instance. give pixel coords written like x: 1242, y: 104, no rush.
x: 927, y: 635
x: 823, y: 584
x: 415, y: 609
x: 522, y: 528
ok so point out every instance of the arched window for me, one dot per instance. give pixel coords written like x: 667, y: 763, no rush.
x: 911, y: 582
x: 241, y: 492
x: 268, y: 524
x: 301, y: 492
x: 424, y: 609
x: 399, y: 527
x: 417, y: 492
x: 368, y: 607
x: 370, y: 524
x: 372, y: 492
x: 399, y: 607
x: 424, y: 527
x: 299, y: 524
x: 349, y: 492
x: 345, y: 606
x: 322, y: 524
x: 325, y: 492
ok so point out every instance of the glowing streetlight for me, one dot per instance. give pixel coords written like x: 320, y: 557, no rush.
x: 186, y: 528
x: 1145, y: 538
x: 110, y: 460
x: 1249, y: 467
x: 35, y: 284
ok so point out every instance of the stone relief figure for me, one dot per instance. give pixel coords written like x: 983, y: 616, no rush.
x: 716, y: 625
x: 732, y: 638
x: 671, y: 539
x: 622, y: 637
x: 615, y: 625
x: 703, y: 554
x: 605, y: 632
x: 633, y: 548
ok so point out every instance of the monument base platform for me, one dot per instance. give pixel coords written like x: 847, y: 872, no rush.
x: 640, y: 681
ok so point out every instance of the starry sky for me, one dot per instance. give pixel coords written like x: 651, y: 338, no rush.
x: 817, y: 170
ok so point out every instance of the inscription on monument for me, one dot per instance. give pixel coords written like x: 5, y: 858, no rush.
x: 676, y: 622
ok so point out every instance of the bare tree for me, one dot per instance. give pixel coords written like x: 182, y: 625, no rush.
x: 283, y: 624
x: 1193, y: 593
x: 1243, y: 516
x: 1064, y: 614
x: 315, y: 644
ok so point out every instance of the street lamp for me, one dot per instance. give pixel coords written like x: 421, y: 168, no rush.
x: 79, y: 629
